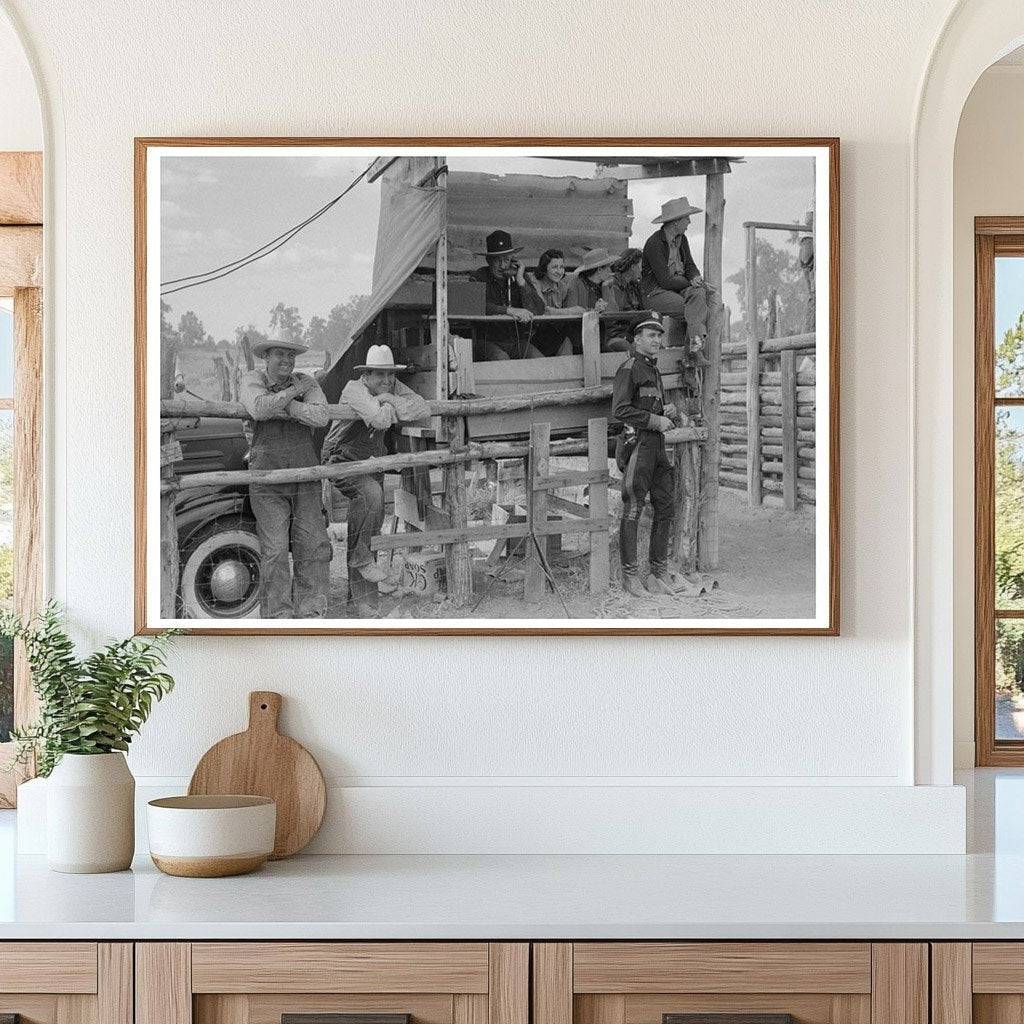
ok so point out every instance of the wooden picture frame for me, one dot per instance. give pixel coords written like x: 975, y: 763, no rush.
x: 21, y: 268
x: 993, y: 237
x: 155, y: 610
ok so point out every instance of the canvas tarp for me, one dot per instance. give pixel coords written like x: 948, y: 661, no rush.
x: 412, y: 217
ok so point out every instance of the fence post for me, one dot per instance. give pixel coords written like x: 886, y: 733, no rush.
x: 170, y: 453
x: 537, y: 509
x: 789, y: 450
x: 458, y: 564
x: 597, y: 449
x: 591, y: 337
x: 753, y: 374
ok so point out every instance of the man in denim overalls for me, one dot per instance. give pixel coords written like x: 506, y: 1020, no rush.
x: 286, y: 407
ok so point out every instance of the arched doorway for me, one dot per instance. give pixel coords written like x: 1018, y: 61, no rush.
x: 976, y: 33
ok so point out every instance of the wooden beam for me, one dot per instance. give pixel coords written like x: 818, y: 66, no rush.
x: 600, y: 570
x: 539, y: 484
x: 21, y: 258
x: 753, y: 374
x: 789, y: 457
x: 21, y: 188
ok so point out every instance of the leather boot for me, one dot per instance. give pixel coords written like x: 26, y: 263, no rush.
x: 631, y: 584
x: 660, y: 583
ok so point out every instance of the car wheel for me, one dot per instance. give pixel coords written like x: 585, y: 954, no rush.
x: 220, y: 572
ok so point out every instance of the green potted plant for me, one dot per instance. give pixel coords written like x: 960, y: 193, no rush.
x: 89, y: 710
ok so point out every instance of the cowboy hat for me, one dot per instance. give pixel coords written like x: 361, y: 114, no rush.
x: 651, y: 321
x: 674, y: 209
x: 499, y: 243
x: 594, y: 258
x: 379, y: 357
x: 260, y: 347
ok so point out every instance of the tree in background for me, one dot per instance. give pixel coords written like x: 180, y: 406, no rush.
x: 340, y: 321
x: 778, y: 269
x: 191, y: 330
x: 285, y: 320
x: 1009, y: 511
x: 251, y: 332
x: 316, y: 333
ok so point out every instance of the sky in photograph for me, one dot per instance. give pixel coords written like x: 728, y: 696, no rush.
x: 216, y: 209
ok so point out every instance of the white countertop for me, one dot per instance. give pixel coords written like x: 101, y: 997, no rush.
x: 532, y: 897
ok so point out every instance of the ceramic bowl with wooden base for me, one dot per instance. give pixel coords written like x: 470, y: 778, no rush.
x: 211, y: 836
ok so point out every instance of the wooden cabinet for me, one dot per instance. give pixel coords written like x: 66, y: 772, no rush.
x: 815, y: 982
x: 980, y: 982
x: 66, y: 982
x: 259, y: 982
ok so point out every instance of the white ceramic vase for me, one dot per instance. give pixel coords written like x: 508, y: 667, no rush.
x: 90, y: 814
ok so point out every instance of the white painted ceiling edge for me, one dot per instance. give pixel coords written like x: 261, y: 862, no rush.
x: 975, y: 34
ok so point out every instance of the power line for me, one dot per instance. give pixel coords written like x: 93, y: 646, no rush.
x: 264, y: 250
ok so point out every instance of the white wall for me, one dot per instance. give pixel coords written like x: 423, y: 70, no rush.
x: 21, y: 125
x: 443, y: 713
x: 988, y: 181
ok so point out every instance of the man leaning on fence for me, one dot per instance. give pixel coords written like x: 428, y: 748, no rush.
x: 380, y: 400
x: 286, y: 407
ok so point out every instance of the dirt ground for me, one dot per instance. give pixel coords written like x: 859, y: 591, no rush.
x: 767, y: 571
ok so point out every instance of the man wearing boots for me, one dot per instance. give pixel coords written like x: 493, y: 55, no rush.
x: 381, y: 401
x: 638, y: 402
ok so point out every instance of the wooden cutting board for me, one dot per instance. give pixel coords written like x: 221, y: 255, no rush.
x: 262, y: 762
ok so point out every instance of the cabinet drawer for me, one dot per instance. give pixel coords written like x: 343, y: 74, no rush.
x: 634, y: 967
x: 66, y: 982
x: 752, y: 982
x: 340, y: 967
x: 261, y: 982
x: 48, y: 967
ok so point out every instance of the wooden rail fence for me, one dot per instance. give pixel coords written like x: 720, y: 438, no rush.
x: 458, y: 531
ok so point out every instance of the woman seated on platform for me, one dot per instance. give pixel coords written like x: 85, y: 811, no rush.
x: 628, y: 297
x: 592, y: 282
x: 551, y: 282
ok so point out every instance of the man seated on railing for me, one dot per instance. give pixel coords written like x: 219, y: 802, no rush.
x: 671, y: 282
x: 507, y: 294
x: 286, y: 407
x: 380, y: 400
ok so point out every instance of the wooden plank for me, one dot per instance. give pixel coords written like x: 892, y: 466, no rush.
x: 789, y: 497
x: 163, y: 983
x: 791, y: 341
x: 21, y: 188
x: 540, y: 483
x: 48, y: 967
x: 465, y: 378
x: 600, y: 556
x: 851, y: 1009
x: 951, y: 983
x: 21, y: 258
x: 998, y: 967
x: 466, y: 1009
x: 753, y: 417
x: 233, y: 1008
x: 591, y: 330
x: 508, y: 992
x: 899, y: 983
x: 570, y: 477
x: 573, y: 508
x: 600, y: 1009
x: 115, y: 1002
x: 553, y: 528
x: 708, y: 537
x: 432, y: 538
x: 552, y: 983
x: 340, y: 967
x: 630, y: 967
x: 28, y: 503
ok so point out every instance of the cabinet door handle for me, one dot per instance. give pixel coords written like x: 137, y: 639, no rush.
x: 728, y: 1018
x: 338, y: 1018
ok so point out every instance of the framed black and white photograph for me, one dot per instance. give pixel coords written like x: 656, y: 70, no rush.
x: 487, y: 386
